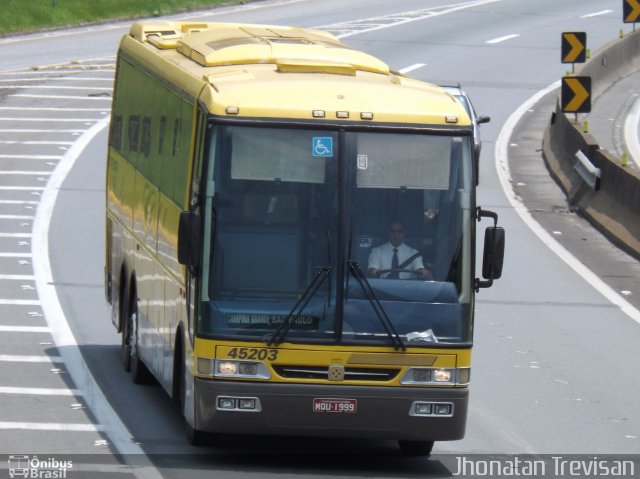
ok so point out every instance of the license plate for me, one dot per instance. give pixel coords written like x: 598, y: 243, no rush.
x: 349, y: 406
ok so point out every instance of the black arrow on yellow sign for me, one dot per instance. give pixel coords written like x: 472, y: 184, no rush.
x: 574, y: 47
x: 631, y: 11
x: 576, y: 94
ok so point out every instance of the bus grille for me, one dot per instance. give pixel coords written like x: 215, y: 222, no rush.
x: 350, y: 374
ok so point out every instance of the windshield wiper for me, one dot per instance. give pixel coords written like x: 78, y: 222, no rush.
x: 278, y: 336
x: 396, y: 340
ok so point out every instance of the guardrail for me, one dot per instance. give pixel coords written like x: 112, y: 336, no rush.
x: 614, y: 206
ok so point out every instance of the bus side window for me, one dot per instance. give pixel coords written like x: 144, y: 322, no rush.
x: 162, y: 128
x: 177, y: 126
x: 146, y: 136
x: 116, y: 133
x: 133, y: 132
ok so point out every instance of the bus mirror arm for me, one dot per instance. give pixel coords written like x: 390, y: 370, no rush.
x: 188, y: 233
x: 493, y: 254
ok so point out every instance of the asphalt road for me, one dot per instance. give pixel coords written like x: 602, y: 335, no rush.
x: 554, y: 359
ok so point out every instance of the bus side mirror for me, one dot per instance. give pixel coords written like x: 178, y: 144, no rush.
x: 492, y: 257
x: 188, y: 234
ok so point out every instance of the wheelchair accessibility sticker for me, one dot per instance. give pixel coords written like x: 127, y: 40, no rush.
x: 322, y: 146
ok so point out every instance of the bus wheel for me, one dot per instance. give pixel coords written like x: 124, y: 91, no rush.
x: 195, y: 437
x: 125, y: 349
x: 139, y: 372
x: 416, y: 448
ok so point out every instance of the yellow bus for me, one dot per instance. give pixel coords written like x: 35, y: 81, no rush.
x: 290, y: 235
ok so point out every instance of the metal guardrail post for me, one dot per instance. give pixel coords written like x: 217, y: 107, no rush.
x: 587, y: 170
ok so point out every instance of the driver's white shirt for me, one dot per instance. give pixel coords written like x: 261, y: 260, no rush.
x: 381, y: 257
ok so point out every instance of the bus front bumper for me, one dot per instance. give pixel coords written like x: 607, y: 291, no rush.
x: 400, y: 413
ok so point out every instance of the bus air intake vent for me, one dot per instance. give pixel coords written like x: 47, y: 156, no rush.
x: 350, y: 374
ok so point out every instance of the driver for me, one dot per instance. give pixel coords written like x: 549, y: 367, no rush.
x: 395, y: 256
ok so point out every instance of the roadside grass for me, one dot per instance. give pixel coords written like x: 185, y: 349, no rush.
x: 18, y: 16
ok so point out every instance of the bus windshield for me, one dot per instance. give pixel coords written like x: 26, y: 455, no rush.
x: 298, y: 220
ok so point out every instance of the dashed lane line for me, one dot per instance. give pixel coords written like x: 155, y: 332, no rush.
x: 596, y: 14
x: 65, y: 78
x: 411, y: 68
x: 53, y: 87
x: 50, y: 426
x: 59, y: 120
x: 24, y: 173
x: 15, y: 358
x: 23, y: 329
x: 20, y: 302
x: 62, y: 97
x: 33, y: 130
x: 40, y: 391
x: 18, y: 108
x: 32, y: 157
x: 502, y: 39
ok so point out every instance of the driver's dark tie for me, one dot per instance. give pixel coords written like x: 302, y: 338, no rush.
x: 395, y: 264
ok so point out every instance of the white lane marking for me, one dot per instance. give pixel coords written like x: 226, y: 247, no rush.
x: 16, y: 217
x: 504, y: 174
x: 50, y: 426
x: 25, y: 173
x: 365, y: 25
x: 18, y: 108
x: 53, y: 87
x: 14, y: 358
x: 35, y: 142
x: 596, y: 14
x: 413, y: 67
x: 502, y: 39
x: 15, y: 235
x: 18, y: 202
x: 63, y: 337
x: 23, y: 329
x: 32, y: 130
x: 15, y: 255
x: 631, y: 126
x: 16, y: 277
x: 49, y: 119
x: 32, y: 157
x: 20, y: 302
x: 21, y: 188
x: 67, y: 78
x: 61, y: 97
x: 40, y: 391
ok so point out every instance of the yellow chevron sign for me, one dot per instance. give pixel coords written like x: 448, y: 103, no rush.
x: 576, y: 94
x: 631, y: 11
x: 574, y: 47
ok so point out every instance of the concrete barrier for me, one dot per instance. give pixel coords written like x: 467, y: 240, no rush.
x: 614, y: 208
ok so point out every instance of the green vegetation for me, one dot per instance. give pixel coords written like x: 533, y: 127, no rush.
x: 28, y: 15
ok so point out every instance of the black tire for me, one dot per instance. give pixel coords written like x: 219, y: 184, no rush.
x: 139, y: 372
x: 125, y: 348
x: 416, y: 448
x: 194, y: 436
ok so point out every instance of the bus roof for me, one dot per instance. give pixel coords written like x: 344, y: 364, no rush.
x: 282, y: 72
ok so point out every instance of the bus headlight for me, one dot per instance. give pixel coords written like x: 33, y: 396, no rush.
x: 442, y: 375
x: 434, y: 376
x: 224, y: 368
x: 227, y: 367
